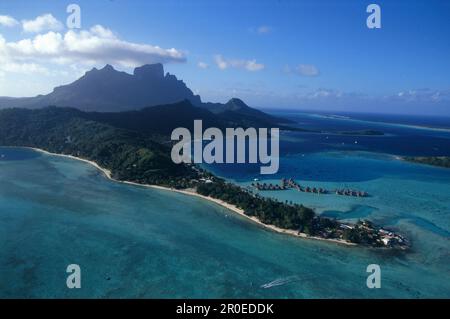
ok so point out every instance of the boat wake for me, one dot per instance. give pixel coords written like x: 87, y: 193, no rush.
x: 280, y: 282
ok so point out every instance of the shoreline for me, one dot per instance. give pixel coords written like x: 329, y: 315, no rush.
x: 107, y: 173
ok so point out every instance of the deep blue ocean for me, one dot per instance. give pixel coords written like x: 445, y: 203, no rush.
x: 136, y: 242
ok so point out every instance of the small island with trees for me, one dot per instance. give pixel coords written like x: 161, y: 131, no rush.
x: 440, y: 161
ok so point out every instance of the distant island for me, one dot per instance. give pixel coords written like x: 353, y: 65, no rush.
x: 141, y: 156
x: 362, y: 132
x: 440, y: 161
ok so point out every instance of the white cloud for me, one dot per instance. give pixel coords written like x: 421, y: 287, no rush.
x: 202, y: 65
x: 8, y: 21
x: 413, y: 96
x: 23, y: 68
x: 261, y: 30
x: 97, y: 45
x: 220, y: 62
x: 42, y: 23
x: 249, y: 65
x: 253, y: 66
x: 264, y: 29
x: 323, y: 93
x: 307, y: 70
x: 421, y: 95
x: 303, y: 70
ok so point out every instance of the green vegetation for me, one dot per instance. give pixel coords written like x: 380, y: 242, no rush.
x: 129, y: 155
x: 268, y: 211
x: 441, y: 161
x: 133, y: 155
x: 361, y: 235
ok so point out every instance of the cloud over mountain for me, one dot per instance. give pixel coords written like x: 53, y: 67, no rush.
x: 98, y: 45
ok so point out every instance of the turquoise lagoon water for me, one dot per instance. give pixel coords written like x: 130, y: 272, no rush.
x: 135, y: 242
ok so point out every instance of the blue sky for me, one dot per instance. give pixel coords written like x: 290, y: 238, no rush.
x: 272, y: 54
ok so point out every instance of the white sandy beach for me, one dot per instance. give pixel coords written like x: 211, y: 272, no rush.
x: 228, y: 206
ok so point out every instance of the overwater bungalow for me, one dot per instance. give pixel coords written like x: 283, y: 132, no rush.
x: 291, y: 183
